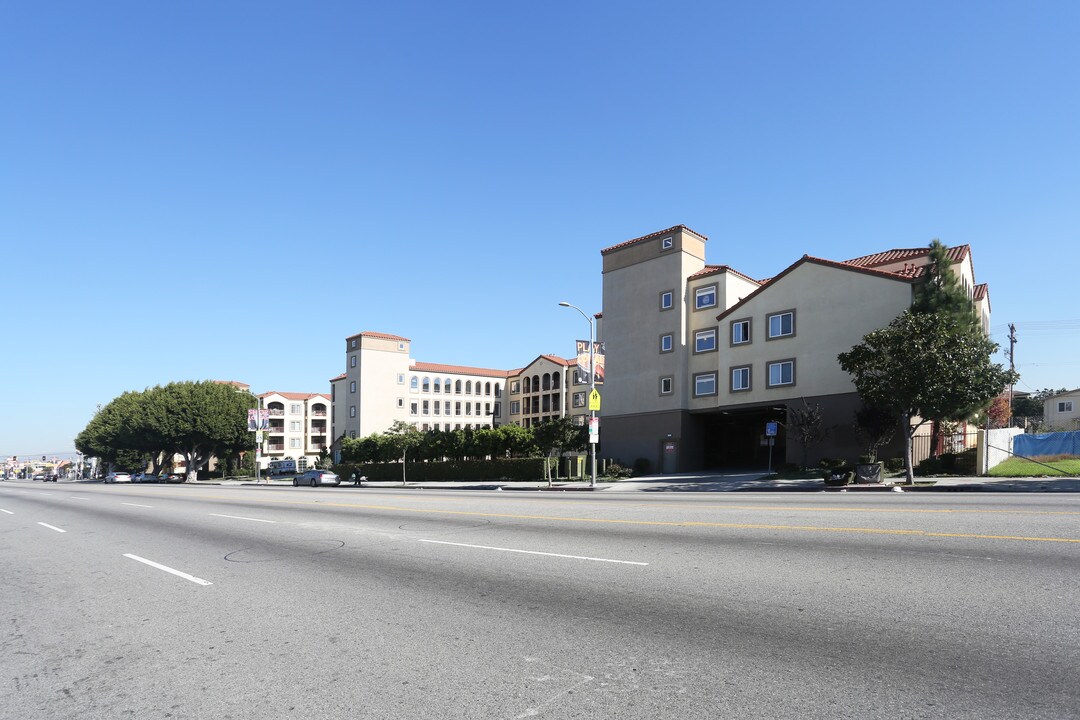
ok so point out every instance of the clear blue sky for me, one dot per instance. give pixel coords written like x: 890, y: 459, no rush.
x: 227, y: 190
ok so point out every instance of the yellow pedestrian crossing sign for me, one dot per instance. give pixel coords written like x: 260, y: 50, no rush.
x: 594, y: 401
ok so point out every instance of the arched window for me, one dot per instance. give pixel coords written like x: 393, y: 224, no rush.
x: 427, y: 385
x: 438, y: 385
x: 526, y: 384
x: 457, y: 387
x: 468, y: 387
x: 487, y: 388
x: 447, y: 385
x: 414, y: 382
x: 546, y: 382
x: 536, y: 383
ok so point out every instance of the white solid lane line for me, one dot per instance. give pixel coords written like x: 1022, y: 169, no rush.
x: 534, y: 552
x: 137, y: 505
x: 76, y: 497
x: 51, y: 527
x: 6, y: 511
x: 159, y: 566
x: 237, y: 517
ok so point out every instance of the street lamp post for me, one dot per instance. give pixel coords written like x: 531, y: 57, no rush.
x: 592, y: 388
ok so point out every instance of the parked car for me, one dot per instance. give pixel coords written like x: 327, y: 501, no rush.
x: 39, y: 476
x: 314, y: 478
x: 52, y: 478
x: 115, y: 477
x: 144, y: 478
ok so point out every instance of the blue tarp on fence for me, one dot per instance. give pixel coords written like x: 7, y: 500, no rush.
x: 1055, y: 443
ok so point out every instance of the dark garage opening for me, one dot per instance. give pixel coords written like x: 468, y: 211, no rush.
x: 733, y: 439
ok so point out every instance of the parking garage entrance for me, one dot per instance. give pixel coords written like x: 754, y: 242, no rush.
x: 736, y: 439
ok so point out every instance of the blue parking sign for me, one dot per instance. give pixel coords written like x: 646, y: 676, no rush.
x: 770, y: 428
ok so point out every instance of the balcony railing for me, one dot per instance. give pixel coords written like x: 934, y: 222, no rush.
x: 276, y: 412
x: 318, y: 413
x: 275, y: 448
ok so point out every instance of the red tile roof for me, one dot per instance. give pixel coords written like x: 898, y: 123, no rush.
x: 381, y: 336
x: 716, y: 269
x: 234, y: 383
x: 458, y: 369
x: 621, y: 245
x: 915, y: 260
x: 338, y: 377
x: 296, y: 396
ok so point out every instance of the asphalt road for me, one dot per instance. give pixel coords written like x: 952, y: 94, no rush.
x: 258, y: 602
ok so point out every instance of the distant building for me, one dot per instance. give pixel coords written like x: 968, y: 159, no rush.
x: 1062, y: 411
x: 700, y: 357
x: 299, y: 427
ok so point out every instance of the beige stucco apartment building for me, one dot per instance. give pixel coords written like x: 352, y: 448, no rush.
x: 1062, y: 412
x: 299, y: 427
x: 700, y: 357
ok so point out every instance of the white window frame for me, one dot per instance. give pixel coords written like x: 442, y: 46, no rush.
x: 780, y: 316
x: 702, y: 335
x: 1065, y: 406
x: 738, y: 323
x: 738, y: 372
x: 702, y: 292
x: 667, y: 299
x: 352, y: 411
x: 704, y: 377
x: 667, y: 243
x: 667, y: 343
x: 352, y: 361
x: 352, y: 386
x: 667, y: 382
x: 779, y: 364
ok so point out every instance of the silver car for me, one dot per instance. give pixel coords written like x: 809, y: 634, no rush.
x: 314, y: 478
x: 118, y: 477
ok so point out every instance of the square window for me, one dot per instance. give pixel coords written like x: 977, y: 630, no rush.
x: 666, y: 384
x: 705, y: 297
x: 782, y: 373
x: 667, y: 243
x: 667, y: 299
x: 705, y: 340
x: 740, y: 379
x: 782, y: 324
x: 705, y: 384
x: 740, y: 332
x: 667, y: 343
x: 352, y: 343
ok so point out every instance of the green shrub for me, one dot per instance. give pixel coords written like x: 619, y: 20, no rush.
x: 966, y: 462
x: 617, y: 471
x: 894, y: 464
x: 528, y: 469
x: 929, y: 466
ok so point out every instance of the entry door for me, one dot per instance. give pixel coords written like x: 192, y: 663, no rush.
x: 670, y: 456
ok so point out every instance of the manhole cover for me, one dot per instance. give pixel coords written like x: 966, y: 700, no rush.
x: 284, y: 551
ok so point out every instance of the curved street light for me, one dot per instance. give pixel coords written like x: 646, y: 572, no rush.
x: 592, y: 387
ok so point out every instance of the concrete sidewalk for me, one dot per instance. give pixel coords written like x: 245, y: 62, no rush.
x: 732, y: 482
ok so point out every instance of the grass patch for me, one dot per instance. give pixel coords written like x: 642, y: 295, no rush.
x: 1068, y: 465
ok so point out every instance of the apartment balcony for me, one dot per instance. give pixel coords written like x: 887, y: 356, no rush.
x: 318, y: 413
x: 275, y: 412
x: 277, y: 430
x: 275, y: 448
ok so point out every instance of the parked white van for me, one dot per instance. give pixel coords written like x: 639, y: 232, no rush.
x: 282, y: 467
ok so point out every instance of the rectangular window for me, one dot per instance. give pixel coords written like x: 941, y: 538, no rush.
x: 296, y: 409
x: 294, y: 442
x: 352, y: 411
x: 446, y: 407
x: 400, y: 379
x: 740, y: 332
x: 667, y: 343
x: 438, y: 407
x: 579, y: 399
x: 781, y: 373
x: 294, y: 426
x: 705, y: 384
x: 468, y: 408
x: 515, y: 387
x: 457, y: 408
x: 352, y: 343
x: 352, y: 386
x: 740, y: 379
x: 705, y: 297
x: 581, y: 378
x: 781, y: 324
x: 666, y: 384
x: 1065, y: 406
x: 427, y: 407
x: 705, y: 340
x: 401, y: 402
x: 667, y: 299
x: 352, y: 361
x: 414, y: 408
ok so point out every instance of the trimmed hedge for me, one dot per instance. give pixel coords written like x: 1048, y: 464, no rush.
x: 527, y: 469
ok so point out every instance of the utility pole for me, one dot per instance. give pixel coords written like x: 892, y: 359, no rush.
x: 1012, y: 362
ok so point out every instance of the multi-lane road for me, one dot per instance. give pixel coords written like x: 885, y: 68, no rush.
x: 258, y: 602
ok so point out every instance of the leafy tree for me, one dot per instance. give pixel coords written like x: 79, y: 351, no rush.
x: 875, y: 425
x: 404, y: 438
x: 926, y: 366
x: 559, y: 435
x: 942, y: 293
x: 999, y: 412
x: 806, y: 427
